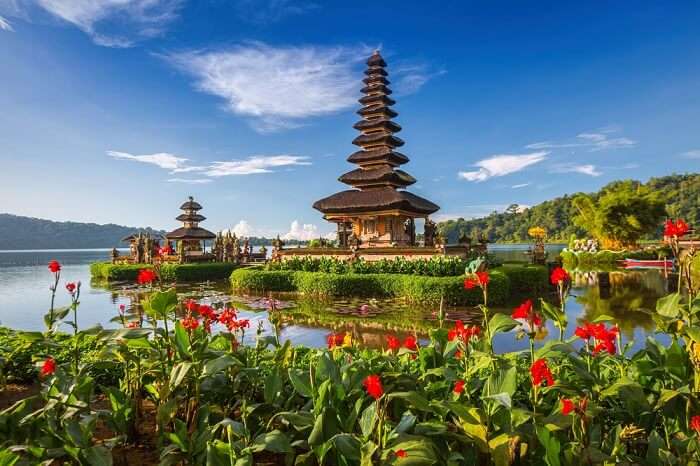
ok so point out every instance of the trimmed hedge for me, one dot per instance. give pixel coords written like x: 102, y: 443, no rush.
x: 505, y: 282
x: 170, y: 272
x: 576, y: 259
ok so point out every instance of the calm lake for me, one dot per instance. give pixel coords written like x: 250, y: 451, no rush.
x: 25, y: 298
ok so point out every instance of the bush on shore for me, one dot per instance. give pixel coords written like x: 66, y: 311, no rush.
x: 505, y: 281
x: 606, y: 257
x: 170, y: 272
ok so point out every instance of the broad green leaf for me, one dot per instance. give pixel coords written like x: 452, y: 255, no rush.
x: 178, y: 374
x: 669, y: 306
x: 348, y: 445
x: 551, y: 446
x: 414, y: 399
x: 301, y: 382
x: 367, y: 450
x: 500, y: 450
x: 368, y: 419
x: 182, y: 341
x: 273, y: 385
x: 274, y: 441
x: 501, y: 323
x: 161, y: 304
x: 219, y: 364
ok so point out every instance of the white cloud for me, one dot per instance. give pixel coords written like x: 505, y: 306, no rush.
x: 5, y: 25
x: 271, y: 11
x: 280, y: 87
x: 586, y: 169
x: 594, y: 141
x: 255, y: 164
x: 305, y: 232
x: 111, y: 23
x: 691, y: 154
x: 521, y: 185
x: 161, y: 159
x: 190, y: 180
x: 242, y: 229
x: 501, y: 165
x: 249, y: 166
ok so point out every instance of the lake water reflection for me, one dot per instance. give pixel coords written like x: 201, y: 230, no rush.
x: 25, y: 279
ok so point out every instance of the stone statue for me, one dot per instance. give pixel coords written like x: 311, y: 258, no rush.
x: 114, y: 255
x: 139, y: 259
x: 181, y: 251
x: 429, y: 233
x: 236, y: 251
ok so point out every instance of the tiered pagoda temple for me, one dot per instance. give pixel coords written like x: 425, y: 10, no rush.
x: 378, y: 212
x: 191, y: 238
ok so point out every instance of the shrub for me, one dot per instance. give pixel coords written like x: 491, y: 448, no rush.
x: 170, y: 272
x: 607, y: 257
x: 413, y: 288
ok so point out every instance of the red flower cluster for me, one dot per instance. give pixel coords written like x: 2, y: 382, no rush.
x: 482, y: 279
x: 146, y: 276
x: 165, y: 250
x: 539, y: 372
x: 558, y: 276
x: 568, y: 406
x: 526, y: 312
x: 393, y: 343
x: 54, y: 266
x: 373, y: 386
x: 190, y: 323
x: 411, y: 343
x: 677, y: 229
x: 335, y: 340
x: 133, y: 324
x: 459, y: 387
x: 695, y: 423
x: 122, y: 308
x: 49, y: 367
x: 463, y: 333
x: 401, y: 453
x: 70, y: 287
x: 604, y: 338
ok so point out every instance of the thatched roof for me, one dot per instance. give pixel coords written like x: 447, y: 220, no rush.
x: 374, y: 176
x: 190, y: 233
x: 378, y: 109
x: 374, y: 200
x: 131, y: 237
x: 375, y: 99
x: 191, y: 205
x: 376, y: 60
x: 190, y: 218
x: 377, y: 123
x: 378, y: 138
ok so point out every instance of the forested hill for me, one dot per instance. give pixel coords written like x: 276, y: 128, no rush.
x: 680, y: 193
x: 18, y: 232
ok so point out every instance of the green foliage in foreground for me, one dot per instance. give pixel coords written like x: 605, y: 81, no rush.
x: 505, y: 281
x: 437, y: 266
x: 679, y: 193
x: 169, y: 272
x: 583, y: 259
x: 451, y: 401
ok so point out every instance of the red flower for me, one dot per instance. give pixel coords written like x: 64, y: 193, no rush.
x: 393, y: 343
x: 191, y: 305
x: 483, y: 278
x: 227, y: 316
x: 334, y: 339
x: 373, y: 385
x: 459, y: 387
x: 146, y: 276
x: 604, y: 338
x: 567, y: 406
x: 463, y: 333
x: 207, y: 312
x: 458, y: 354
x: 190, y: 323
x: 70, y: 287
x: 165, y: 250
x: 677, y: 229
x: 539, y: 372
x: 525, y: 312
x: 122, y: 308
x: 401, y: 453
x: 470, y: 283
x: 54, y: 266
x: 48, y: 368
x: 585, y: 331
x: 558, y: 276
x: 133, y: 324
x: 695, y: 423
x: 410, y: 343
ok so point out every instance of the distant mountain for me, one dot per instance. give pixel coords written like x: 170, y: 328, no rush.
x: 18, y: 232
x: 681, y: 193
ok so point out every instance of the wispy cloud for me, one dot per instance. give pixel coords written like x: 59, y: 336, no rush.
x: 271, y: 11
x: 585, y: 169
x: 279, y: 88
x: 521, y: 185
x: 5, y: 25
x: 111, y: 23
x: 190, y: 180
x: 501, y: 165
x: 249, y: 166
x: 409, y: 78
x: 161, y: 159
x: 593, y: 141
x: 255, y: 164
x: 691, y: 154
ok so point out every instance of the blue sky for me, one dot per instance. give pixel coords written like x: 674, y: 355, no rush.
x: 116, y: 110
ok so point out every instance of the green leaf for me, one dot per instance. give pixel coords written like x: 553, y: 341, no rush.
x: 98, y: 456
x: 418, y: 453
x: 414, y: 399
x: 178, y: 373
x: 367, y: 450
x: 368, y: 419
x: 325, y: 427
x: 182, y: 341
x: 219, y: 364
x: 348, y: 445
x: 274, y: 441
x: 501, y: 323
x: 301, y: 382
x: 502, y: 399
x: 273, y: 385
x: 551, y: 446
x: 669, y: 306
x: 161, y: 304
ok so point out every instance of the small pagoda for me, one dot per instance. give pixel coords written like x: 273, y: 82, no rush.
x: 378, y: 212
x: 191, y: 238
